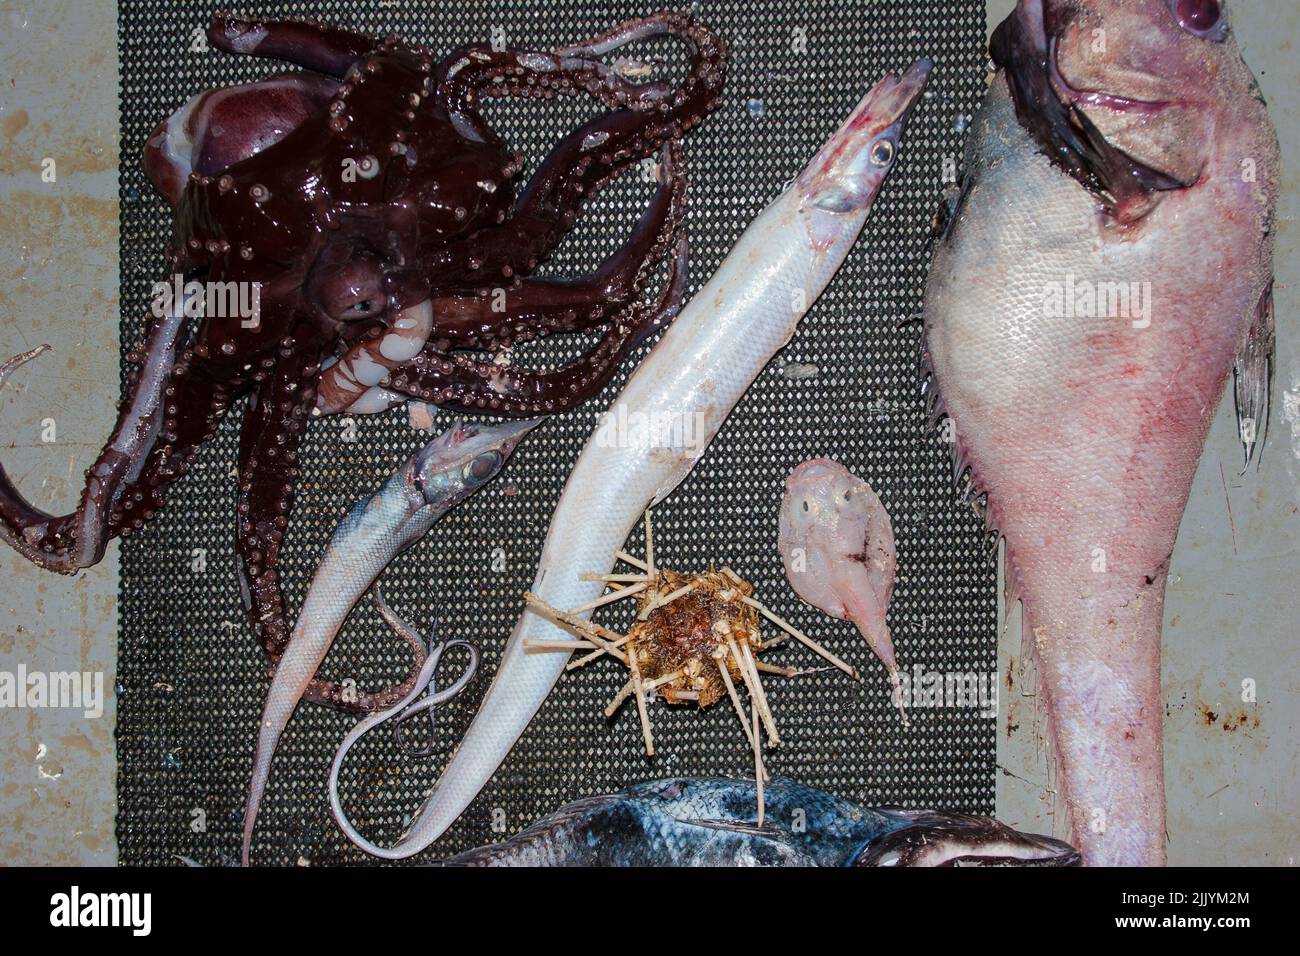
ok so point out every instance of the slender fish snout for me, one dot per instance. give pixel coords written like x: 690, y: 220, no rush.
x: 504, y: 436
x: 849, y: 170
x: 894, y: 97
x: 482, y: 448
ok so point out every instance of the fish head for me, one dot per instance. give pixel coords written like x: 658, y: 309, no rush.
x: 822, y: 494
x: 929, y: 838
x: 814, y: 493
x: 1131, y: 97
x: 845, y: 176
x: 464, y: 458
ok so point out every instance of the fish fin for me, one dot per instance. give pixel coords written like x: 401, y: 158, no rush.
x: 971, y: 491
x: 968, y: 484
x: 733, y: 826
x: 1253, y: 379
x: 946, y: 212
x: 1011, y: 581
x: 1126, y: 187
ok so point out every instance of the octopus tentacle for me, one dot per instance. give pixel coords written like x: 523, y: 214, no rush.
x: 571, y: 175
x: 647, y: 116
x: 533, y: 307
x: 72, y: 541
x: 305, y: 43
x: 353, y: 699
x: 672, y: 114
x: 196, y: 397
x: 268, y: 466
x: 268, y: 454
x: 476, y: 70
x: 460, y: 383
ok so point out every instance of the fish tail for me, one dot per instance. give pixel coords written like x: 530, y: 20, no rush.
x: 1099, y: 675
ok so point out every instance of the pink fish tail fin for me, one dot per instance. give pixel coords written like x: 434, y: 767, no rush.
x: 896, y: 682
x: 881, y: 643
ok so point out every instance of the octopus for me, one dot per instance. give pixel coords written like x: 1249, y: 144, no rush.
x: 375, y: 217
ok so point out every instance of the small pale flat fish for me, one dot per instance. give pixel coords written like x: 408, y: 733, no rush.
x: 838, y: 549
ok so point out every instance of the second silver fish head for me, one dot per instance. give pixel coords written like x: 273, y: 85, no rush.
x: 464, y: 458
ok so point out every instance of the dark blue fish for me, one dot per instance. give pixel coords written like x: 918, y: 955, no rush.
x: 712, y: 822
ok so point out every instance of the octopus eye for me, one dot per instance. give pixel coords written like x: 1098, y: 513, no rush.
x: 882, y: 153
x: 482, y: 467
x: 1198, y: 16
x: 848, y: 494
x: 350, y: 290
x: 806, y: 506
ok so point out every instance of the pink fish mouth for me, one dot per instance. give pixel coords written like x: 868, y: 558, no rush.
x: 1086, y: 98
x: 1025, y: 48
x: 1048, y: 22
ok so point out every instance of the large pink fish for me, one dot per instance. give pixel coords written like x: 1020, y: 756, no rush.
x: 1105, y: 263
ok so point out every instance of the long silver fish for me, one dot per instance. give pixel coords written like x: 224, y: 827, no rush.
x: 713, y: 822
x: 690, y: 381
x: 434, y: 480
x: 1107, y: 261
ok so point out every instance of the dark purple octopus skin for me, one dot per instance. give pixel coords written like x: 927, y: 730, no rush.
x: 254, y: 174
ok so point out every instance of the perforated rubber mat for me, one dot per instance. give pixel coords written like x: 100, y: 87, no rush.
x: 191, y: 678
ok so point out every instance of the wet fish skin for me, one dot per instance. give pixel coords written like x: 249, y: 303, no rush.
x: 711, y: 822
x: 1086, y: 431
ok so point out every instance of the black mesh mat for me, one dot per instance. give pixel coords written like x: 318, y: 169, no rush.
x: 191, y: 679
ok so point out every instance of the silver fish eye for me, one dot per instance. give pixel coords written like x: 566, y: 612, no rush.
x: 882, y: 153
x: 481, y: 467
